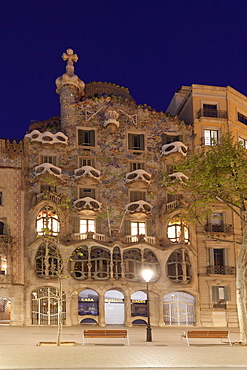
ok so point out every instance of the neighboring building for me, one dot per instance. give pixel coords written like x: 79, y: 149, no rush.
x: 90, y: 185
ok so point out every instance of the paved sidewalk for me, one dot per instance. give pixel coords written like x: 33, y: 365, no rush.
x: 18, y: 350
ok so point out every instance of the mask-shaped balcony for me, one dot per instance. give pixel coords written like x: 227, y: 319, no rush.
x: 175, y: 147
x: 140, y: 208
x: 47, y: 137
x: 87, y: 175
x: 87, y: 205
x: 139, y: 178
x: 47, y: 168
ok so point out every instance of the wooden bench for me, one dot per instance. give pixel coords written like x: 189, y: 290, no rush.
x: 222, y: 334
x: 107, y: 333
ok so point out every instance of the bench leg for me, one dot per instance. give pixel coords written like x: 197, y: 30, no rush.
x: 83, y: 342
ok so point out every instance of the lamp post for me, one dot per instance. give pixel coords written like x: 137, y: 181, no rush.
x: 147, y: 276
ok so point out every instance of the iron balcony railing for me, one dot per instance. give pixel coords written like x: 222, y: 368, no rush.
x: 214, y: 113
x: 214, y: 228
x: 220, y: 270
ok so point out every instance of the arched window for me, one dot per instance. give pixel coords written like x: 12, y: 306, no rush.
x: 179, y: 309
x: 78, y: 264
x: 151, y: 262
x: 48, y: 262
x: 100, y: 259
x: 132, y: 262
x: 178, y: 266
x: 45, y: 306
x: 47, y: 222
x: 177, y: 230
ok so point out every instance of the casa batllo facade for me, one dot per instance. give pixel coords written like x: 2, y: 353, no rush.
x: 97, y: 211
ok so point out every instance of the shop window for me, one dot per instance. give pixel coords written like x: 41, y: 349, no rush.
x: 45, y: 306
x: 136, y: 141
x: 78, y: 263
x: 47, y: 222
x: 88, y: 303
x: 86, y: 192
x: 48, y: 261
x: 179, y: 309
x: 211, y: 137
x: 5, y: 310
x: 177, y: 230
x: 3, y: 264
x: 179, y: 267
x: 139, y: 304
x: 86, y: 138
x: 220, y: 296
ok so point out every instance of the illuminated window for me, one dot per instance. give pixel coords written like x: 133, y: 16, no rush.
x: 47, y: 222
x: 3, y: 264
x: 177, y: 230
x: 210, y: 137
x: 87, y: 225
x: 138, y: 228
x: 243, y: 142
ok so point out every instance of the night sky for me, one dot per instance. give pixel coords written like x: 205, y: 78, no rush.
x: 152, y: 47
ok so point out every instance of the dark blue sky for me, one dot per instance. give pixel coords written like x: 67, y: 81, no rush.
x: 150, y: 46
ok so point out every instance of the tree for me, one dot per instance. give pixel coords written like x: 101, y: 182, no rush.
x: 218, y: 173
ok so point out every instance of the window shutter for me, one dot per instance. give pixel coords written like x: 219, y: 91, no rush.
x: 127, y: 230
x: 227, y: 293
x: 149, y: 228
x: 98, y: 226
x: 130, y: 141
x: 215, y: 293
x: 141, y: 142
x: 225, y: 256
x: 92, y: 137
x: 80, y: 137
x: 211, y: 256
x: 76, y: 225
x: 163, y: 139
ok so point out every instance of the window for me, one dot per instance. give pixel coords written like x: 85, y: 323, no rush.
x: 179, y: 309
x: 242, y: 118
x: 137, y: 166
x: 136, y: 141
x: 47, y: 188
x: 210, y: 137
x: 210, y: 110
x: 45, y: 306
x: 1, y: 198
x: 78, y: 263
x: 220, y: 295
x: 3, y: 264
x: 49, y: 159
x: 243, y: 142
x: 48, y: 262
x: 137, y: 195
x: 84, y: 161
x: 87, y: 225
x: 138, y: 228
x: 132, y: 263
x: 177, y: 230
x: 178, y: 266
x: 167, y: 139
x: 86, y: 137
x: 47, y: 222
x: 86, y: 192
x: 218, y: 258
x: 100, y: 259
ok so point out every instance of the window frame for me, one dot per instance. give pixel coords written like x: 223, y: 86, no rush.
x: 136, y: 165
x: 211, y: 138
x: 241, y: 117
x: 130, y: 141
x: 133, y: 195
x: 90, y: 142
x: 88, y: 228
x: 84, y: 192
x: 48, y: 158
x: 90, y: 161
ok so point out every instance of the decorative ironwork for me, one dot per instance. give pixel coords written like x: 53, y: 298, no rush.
x: 223, y: 228
x: 214, y: 113
x: 221, y: 270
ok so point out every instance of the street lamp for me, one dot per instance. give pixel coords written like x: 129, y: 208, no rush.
x: 147, y: 276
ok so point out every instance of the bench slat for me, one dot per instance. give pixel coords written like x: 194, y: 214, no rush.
x: 107, y: 333
x: 206, y: 334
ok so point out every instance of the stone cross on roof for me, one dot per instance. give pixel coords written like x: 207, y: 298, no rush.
x: 71, y: 58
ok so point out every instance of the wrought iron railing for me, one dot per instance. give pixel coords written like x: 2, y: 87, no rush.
x: 215, y: 228
x: 214, y: 113
x: 221, y: 270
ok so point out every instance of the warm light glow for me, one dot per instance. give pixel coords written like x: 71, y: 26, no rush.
x: 147, y: 275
